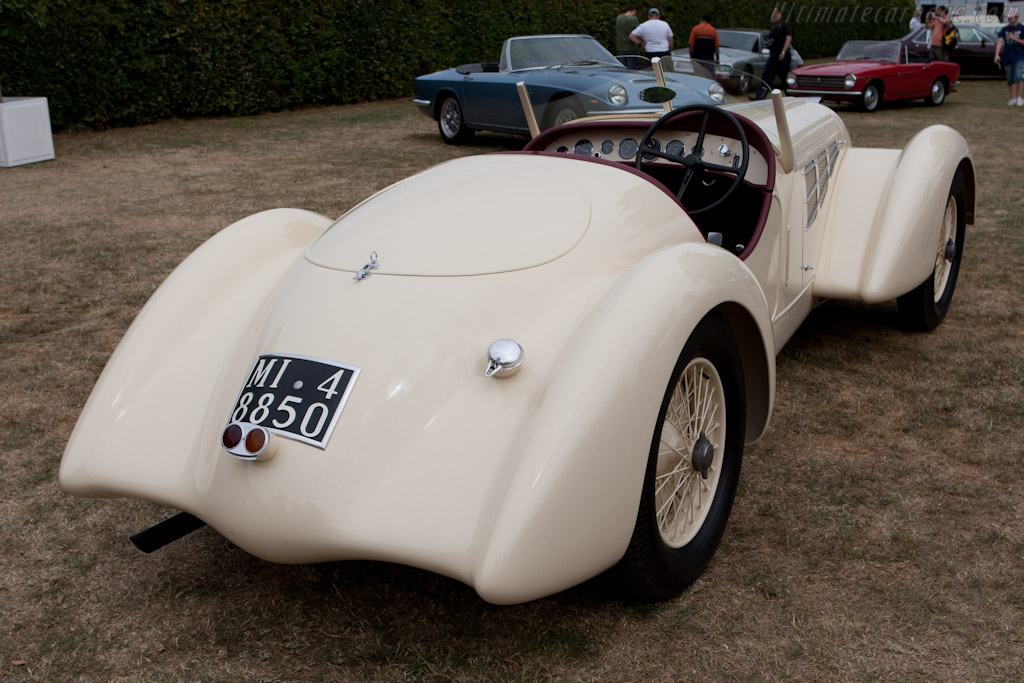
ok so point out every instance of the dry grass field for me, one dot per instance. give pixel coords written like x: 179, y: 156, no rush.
x: 878, y: 532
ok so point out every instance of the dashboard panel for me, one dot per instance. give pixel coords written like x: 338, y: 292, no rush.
x: 623, y: 146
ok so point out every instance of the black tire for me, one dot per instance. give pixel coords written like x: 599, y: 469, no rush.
x: 937, y: 93
x: 871, y: 97
x: 922, y: 308
x: 667, y: 555
x: 561, y: 110
x: 452, y: 124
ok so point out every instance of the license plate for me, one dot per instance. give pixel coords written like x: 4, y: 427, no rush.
x: 298, y: 397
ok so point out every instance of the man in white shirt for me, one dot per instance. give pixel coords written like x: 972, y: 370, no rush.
x: 915, y: 21
x: 655, y: 37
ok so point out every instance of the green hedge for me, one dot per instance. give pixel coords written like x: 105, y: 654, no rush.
x: 106, y: 63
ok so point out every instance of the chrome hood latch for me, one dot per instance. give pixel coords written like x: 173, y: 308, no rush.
x: 364, y: 272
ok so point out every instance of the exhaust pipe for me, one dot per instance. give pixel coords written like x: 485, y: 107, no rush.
x: 167, y: 531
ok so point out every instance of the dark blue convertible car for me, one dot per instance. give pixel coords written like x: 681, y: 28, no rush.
x: 573, y: 74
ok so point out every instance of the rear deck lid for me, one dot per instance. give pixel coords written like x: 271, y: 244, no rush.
x: 472, y: 216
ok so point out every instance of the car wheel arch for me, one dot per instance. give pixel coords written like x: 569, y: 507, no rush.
x: 966, y: 169
x: 924, y: 308
x: 561, y: 99
x: 439, y: 99
x: 758, y: 364
x: 610, y: 460
x: 879, y: 87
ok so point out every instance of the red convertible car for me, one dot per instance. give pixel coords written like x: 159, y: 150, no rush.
x: 869, y: 72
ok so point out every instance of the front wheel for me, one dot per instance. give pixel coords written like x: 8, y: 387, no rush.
x: 692, y: 471
x: 562, y: 111
x: 937, y: 94
x: 925, y: 306
x: 871, y: 97
x: 744, y: 80
x: 452, y: 124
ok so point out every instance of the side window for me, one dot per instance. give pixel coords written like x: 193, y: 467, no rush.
x: 816, y: 177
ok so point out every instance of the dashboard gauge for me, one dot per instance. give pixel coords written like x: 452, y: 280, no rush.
x: 607, y: 147
x: 676, y: 148
x: 724, y: 151
x: 584, y: 148
x: 654, y: 144
x: 563, y: 150
x: 628, y: 148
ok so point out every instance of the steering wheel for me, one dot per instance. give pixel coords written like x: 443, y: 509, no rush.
x: 694, y: 161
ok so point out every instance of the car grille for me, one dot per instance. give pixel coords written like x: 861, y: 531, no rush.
x: 821, y: 82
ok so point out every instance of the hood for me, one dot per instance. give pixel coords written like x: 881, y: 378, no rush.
x: 596, y: 81
x: 856, y: 68
x: 733, y: 55
x: 729, y: 55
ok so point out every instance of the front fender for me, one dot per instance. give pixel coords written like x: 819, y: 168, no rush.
x: 883, y: 224
x: 569, y: 507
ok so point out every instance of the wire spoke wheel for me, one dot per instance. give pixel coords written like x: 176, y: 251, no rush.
x: 946, y: 251
x: 452, y: 123
x: 451, y: 118
x: 690, y: 453
x: 693, y: 467
x: 925, y: 306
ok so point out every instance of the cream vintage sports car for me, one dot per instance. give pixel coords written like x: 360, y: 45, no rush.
x: 522, y: 369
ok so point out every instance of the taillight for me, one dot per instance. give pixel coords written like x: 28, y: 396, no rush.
x: 248, y: 441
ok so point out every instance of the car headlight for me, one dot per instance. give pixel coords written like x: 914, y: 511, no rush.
x: 850, y: 81
x: 617, y: 95
x: 790, y: 79
x: 717, y: 92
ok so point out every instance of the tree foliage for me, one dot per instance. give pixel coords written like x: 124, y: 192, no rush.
x: 108, y: 63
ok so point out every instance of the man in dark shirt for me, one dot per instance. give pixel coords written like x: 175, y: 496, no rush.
x: 779, y: 55
x: 1010, y: 52
x: 624, y: 25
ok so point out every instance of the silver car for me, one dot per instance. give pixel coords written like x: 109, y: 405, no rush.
x: 745, y: 50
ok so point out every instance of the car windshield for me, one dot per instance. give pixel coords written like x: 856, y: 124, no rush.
x: 547, y: 51
x: 869, y: 50
x: 737, y: 40
x: 971, y: 34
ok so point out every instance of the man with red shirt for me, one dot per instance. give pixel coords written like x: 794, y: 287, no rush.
x: 704, y: 45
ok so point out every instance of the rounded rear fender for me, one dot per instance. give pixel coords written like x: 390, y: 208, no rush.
x: 180, y: 338
x: 569, y: 507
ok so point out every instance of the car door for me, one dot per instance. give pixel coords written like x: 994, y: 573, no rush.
x: 910, y: 79
x: 974, y: 51
x: 491, y: 101
x: 760, y: 58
